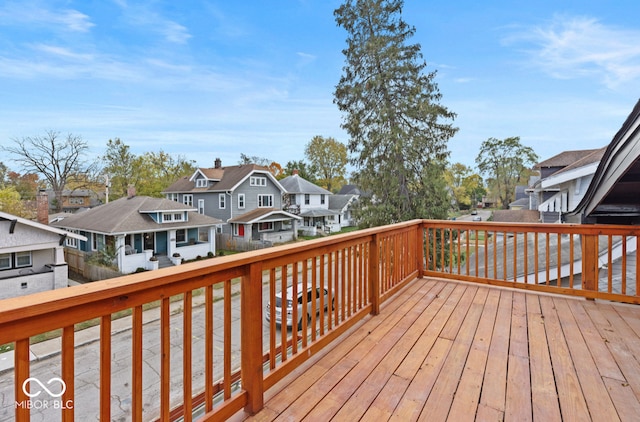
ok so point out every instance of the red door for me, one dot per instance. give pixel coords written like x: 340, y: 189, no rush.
x: 241, y: 230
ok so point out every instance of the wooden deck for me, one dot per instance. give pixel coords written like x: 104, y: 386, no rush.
x: 444, y: 350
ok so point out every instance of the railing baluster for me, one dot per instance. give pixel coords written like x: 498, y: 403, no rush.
x: 105, y: 367
x: 623, y: 287
x: 68, y: 371
x: 165, y: 358
x: 21, y: 371
x: 227, y: 335
x: 187, y: 338
x: 136, y: 363
x: 208, y: 348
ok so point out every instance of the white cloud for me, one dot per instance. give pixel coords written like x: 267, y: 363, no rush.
x: 573, y: 47
x: 31, y: 13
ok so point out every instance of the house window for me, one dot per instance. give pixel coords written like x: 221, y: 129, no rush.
x: 200, y: 206
x: 322, y: 198
x: 265, y: 201
x: 181, y: 236
x: 5, y: 261
x: 306, y: 199
x: 241, y: 200
x: 203, y: 234
x: 201, y: 183
x: 23, y: 259
x: 70, y: 241
x: 221, y: 201
x: 177, y: 217
x: 187, y: 200
x: 167, y: 217
x: 258, y: 181
x: 266, y: 226
x: 172, y: 197
x: 94, y: 241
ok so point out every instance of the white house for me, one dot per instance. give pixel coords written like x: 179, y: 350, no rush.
x: 31, y: 256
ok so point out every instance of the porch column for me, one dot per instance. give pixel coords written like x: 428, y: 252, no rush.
x: 58, y: 256
x: 120, y: 251
x: 212, y: 240
x: 171, y: 247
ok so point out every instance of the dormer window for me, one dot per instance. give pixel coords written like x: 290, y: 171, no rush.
x: 258, y: 181
x: 201, y: 183
x: 169, y: 217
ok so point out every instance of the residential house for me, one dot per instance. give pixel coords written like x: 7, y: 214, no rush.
x: 136, y: 228
x: 74, y: 200
x: 311, y: 202
x: 31, y: 256
x: 342, y: 206
x: 247, y: 197
x: 564, y: 179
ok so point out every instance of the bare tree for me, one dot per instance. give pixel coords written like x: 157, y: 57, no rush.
x: 60, y: 160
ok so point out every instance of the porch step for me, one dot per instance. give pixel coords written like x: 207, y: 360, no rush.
x: 164, y: 261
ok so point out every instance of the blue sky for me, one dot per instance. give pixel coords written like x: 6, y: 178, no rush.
x: 209, y: 79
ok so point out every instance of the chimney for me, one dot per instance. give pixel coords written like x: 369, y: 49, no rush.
x: 131, y: 191
x: 295, y: 172
x: 218, y: 163
x: 42, y: 207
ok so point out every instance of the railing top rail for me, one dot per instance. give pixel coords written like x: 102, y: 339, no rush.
x: 594, y: 229
x: 42, y: 303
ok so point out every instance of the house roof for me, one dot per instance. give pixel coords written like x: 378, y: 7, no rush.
x: 565, y: 158
x: 516, y: 216
x: 10, y: 217
x: 297, y: 184
x: 318, y: 212
x: 612, y: 196
x: 263, y: 214
x: 339, y: 202
x: 224, y: 179
x: 131, y: 215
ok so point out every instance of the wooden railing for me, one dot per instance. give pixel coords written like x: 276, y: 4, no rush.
x: 201, y: 340
x: 593, y: 261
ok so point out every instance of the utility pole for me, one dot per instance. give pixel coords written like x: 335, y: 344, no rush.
x: 106, y: 188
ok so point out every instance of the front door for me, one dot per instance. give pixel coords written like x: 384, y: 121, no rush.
x: 241, y: 230
x: 161, y: 243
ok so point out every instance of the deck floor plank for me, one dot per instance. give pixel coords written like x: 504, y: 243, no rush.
x: 544, y: 396
x: 600, y: 406
x: 445, y: 350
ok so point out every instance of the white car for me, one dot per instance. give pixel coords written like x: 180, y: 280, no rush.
x: 300, y: 312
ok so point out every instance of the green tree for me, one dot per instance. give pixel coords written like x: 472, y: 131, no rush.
x: 119, y: 167
x: 398, y: 130
x: 58, y: 159
x: 329, y: 157
x: 505, y: 163
x: 464, y: 185
x: 10, y: 202
x: 304, y: 169
x: 156, y: 171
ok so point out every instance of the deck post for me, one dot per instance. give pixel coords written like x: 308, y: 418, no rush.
x: 420, y: 256
x: 251, y: 337
x: 374, y: 271
x: 590, y: 262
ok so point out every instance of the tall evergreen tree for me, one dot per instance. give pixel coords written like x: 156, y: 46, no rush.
x: 398, y: 130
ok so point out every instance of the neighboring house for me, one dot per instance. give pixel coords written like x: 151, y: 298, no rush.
x: 311, y: 202
x: 564, y: 179
x: 247, y: 197
x: 31, y: 256
x: 342, y: 206
x: 136, y: 228
x: 74, y: 200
